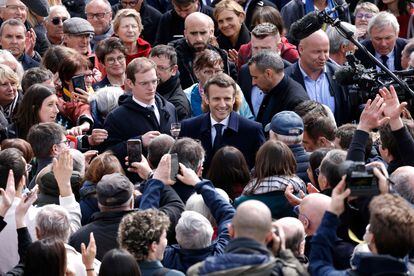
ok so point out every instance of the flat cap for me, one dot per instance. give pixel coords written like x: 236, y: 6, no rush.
x: 113, y: 190
x: 39, y: 7
x: 77, y: 26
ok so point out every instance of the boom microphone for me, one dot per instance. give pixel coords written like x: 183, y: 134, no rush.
x: 306, y: 26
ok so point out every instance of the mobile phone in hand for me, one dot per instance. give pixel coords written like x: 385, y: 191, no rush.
x: 134, y: 149
x: 79, y: 82
x: 174, y: 166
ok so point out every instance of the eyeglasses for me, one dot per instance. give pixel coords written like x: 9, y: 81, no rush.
x: 130, y: 3
x: 211, y: 72
x: 111, y: 60
x: 147, y: 83
x: 16, y: 8
x: 58, y: 20
x: 361, y: 15
x: 65, y: 142
x: 99, y: 15
x: 164, y: 68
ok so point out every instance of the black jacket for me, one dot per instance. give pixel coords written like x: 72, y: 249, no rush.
x: 186, y: 55
x: 130, y: 121
x: 27, y: 62
x: 171, y: 25
x: 286, y: 95
x: 302, y: 161
x: 150, y: 18
x: 342, y: 105
x: 172, y: 91
x: 399, y: 46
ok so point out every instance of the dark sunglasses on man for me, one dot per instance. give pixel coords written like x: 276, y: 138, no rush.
x: 58, y: 20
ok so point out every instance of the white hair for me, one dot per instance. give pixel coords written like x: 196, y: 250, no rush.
x: 384, y: 19
x: 196, y: 203
x: 107, y: 98
x: 7, y: 57
x: 193, y: 231
x: 53, y: 222
x: 58, y: 8
x: 336, y: 40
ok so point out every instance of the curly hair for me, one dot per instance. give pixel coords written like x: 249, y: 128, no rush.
x: 138, y: 230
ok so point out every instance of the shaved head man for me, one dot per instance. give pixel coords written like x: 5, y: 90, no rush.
x: 314, y: 53
x: 294, y: 234
x: 197, y: 31
x: 252, y: 220
x: 311, y: 211
x: 403, y: 179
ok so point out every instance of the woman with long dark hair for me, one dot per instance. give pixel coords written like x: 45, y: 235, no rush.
x: 39, y: 105
x: 275, y: 169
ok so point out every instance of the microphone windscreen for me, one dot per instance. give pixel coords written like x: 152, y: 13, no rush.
x: 306, y: 26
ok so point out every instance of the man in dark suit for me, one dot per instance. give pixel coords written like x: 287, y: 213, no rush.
x: 221, y: 125
x: 280, y: 91
x: 315, y: 75
x: 384, y: 43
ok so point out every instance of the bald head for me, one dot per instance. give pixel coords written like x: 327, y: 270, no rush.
x: 312, y: 208
x: 314, y: 52
x: 197, y: 31
x: 196, y: 18
x: 294, y: 234
x: 403, y: 178
x: 252, y: 220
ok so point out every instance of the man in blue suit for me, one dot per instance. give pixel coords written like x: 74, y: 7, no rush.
x: 222, y: 126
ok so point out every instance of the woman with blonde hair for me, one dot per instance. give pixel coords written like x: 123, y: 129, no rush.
x: 128, y: 27
x: 230, y: 17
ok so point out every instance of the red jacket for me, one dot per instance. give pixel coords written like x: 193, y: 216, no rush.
x: 287, y: 51
x: 144, y: 49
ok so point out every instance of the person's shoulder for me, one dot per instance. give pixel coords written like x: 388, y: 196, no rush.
x: 194, y: 121
x: 152, y: 11
x: 247, y: 123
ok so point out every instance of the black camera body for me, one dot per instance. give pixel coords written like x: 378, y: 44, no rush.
x: 361, y: 180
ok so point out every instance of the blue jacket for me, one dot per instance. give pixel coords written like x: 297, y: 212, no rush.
x: 241, y: 133
x: 302, y: 161
x: 88, y: 201
x: 181, y: 259
x: 366, y: 264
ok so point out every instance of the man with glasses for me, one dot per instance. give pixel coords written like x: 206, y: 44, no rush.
x: 13, y: 9
x: 99, y: 14
x: 142, y: 115
x: 54, y: 24
x: 78, y: 33
x: 172, y: 22
x: 150, y: 16
x: 169, y: 87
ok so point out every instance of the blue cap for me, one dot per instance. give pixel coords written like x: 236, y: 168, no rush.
x: 286, y: 123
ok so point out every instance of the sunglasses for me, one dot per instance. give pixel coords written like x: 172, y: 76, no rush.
x: 58, y: 20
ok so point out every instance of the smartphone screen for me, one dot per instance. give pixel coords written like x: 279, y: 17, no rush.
x: 79, y: 82
x: 134, y: 149
x: 174, y: 166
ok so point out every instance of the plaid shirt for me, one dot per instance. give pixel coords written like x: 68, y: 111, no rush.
x: 275, y: 183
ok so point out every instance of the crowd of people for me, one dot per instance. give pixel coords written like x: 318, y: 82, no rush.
x: 199, y: 137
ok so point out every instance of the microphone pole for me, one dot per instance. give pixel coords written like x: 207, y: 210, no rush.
x: 350, y: 36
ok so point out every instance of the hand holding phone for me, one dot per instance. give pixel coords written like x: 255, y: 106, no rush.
x: 134, y: 149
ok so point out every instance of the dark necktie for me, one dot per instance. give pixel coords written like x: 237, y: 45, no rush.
x: 218, y: 140
x: 384, y: 60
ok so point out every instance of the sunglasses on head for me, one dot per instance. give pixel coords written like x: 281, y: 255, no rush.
x: 57, y: 20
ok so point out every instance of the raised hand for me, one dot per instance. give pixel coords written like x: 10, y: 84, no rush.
x: 163, y: 170
x: 24, y: 205
x: 62, y: 169
x: 372, y: 116
x: 8, y: 194
x: 89, y: 253
x: 339, y: 194
x: 393, y: 108
x: 188, y: 176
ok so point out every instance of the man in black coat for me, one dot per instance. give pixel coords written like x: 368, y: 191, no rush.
x: 384, y: 43
x: 280, y: 92
x: 143, y: 115
x: 197, y: 36
x: 171, y: 25
x: 316, y: 76
x: 170, y: 86
x: 222, y: 126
